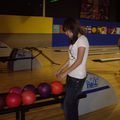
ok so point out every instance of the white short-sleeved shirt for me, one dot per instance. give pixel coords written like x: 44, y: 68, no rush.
x: 80, y: 71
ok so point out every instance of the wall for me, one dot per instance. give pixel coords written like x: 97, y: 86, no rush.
x: 25, y: 31
x: 109, y: 37
x: 22, y: 31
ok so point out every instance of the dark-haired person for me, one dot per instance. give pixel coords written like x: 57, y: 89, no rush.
x: 74, y: 68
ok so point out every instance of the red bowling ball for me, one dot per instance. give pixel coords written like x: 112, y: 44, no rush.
x: 56, y: 87
x: 13, y: 100
x: 28, y: 97
x: 16, y: 90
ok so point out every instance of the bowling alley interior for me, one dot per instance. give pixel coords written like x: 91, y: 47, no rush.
x: 34, y: 46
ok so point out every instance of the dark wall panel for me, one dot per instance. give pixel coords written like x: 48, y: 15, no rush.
x: 63, y: 8
x: 21, y: 7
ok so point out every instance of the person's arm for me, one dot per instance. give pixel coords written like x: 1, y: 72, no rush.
x: 62, y: 68
x: 80, y: 55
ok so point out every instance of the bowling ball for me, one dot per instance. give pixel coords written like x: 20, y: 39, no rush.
x: 29, y: 87
x: 56, y: 87
x: 16, y: 90
x: 44, y: 89
x: 13, y: 100
x: 28, y: 97
x: 2, y: 102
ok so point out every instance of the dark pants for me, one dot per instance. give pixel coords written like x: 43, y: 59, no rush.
x: 71, y: 100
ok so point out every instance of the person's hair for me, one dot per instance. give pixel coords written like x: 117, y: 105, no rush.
x: 73, y: 25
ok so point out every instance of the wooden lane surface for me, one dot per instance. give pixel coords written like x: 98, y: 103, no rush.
x: 46, y: 71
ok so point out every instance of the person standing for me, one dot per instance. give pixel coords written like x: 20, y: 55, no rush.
x: 74, y: 68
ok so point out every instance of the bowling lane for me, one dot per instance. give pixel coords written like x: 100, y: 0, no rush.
x: 46, y: 72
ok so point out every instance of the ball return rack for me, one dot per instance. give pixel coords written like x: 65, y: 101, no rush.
x: 40, y: 102
x: 20, y: 56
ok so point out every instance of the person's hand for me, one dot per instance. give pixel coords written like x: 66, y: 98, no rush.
x: 61, y: 75
x: 58, y: 73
